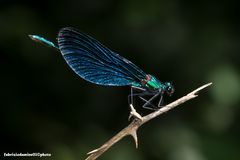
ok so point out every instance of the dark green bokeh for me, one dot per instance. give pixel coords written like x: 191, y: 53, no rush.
x: 45, y: 107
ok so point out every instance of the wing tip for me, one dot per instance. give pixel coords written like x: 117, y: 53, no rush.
x: 63, y: 30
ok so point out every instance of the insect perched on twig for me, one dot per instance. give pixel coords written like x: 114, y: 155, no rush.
x: 96, y: 63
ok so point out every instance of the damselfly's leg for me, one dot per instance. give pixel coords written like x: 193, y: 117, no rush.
x: 140, y: 95
x: 132, y: 94
x: 148, y: 102
x: 160, y: 101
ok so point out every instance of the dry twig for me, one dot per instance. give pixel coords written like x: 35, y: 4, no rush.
x: 132, y: 128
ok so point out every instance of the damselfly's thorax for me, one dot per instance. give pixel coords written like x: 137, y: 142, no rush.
x: 153, y: 84
x: 146, y: 80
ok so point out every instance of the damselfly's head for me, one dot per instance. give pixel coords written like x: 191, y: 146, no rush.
x: 169, y: 89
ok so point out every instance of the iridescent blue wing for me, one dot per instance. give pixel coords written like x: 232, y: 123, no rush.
x: 96, y: 63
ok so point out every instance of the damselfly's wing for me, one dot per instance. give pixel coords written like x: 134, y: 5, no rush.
x: 96, y: 63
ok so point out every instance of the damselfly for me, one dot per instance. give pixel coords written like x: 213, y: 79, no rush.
x: 96, y: 63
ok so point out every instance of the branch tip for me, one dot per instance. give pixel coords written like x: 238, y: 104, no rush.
x: 93, y: 151
x: 202, y: 87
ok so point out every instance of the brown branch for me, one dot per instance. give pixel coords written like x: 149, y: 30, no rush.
x: 132, y: 128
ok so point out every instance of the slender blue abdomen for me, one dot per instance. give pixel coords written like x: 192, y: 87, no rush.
x: 43, y: 41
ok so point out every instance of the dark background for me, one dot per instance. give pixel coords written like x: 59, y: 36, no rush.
x: 47, y: 108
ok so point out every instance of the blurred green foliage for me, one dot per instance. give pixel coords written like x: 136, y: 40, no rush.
x: 45, y: 107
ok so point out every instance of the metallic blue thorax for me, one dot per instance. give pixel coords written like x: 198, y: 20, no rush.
x: 149, y: 83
